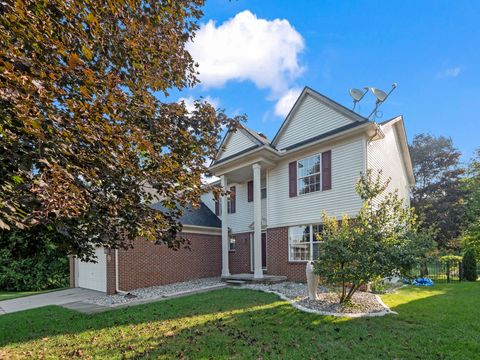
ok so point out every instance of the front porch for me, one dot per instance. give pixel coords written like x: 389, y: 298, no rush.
x: 240, y: 279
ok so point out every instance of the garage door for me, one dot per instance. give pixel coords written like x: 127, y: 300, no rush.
x: 93, y: 275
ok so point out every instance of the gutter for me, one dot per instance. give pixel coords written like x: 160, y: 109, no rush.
x: 117, y: 290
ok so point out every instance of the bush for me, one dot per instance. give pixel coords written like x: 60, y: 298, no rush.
x: 27, y: 264
x: 470, y: 265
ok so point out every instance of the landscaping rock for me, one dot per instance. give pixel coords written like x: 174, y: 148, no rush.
x: 156, y: 292
x: 362, y: 302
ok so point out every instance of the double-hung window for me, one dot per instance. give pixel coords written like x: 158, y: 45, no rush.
x: 303, y: 243
x: 308, y: 175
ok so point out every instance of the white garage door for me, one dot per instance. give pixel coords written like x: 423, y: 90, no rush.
x: 93, y: 275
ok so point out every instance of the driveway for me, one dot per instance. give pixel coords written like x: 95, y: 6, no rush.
x: 60, y: 297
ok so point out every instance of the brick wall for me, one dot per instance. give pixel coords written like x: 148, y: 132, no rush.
x: 277, y: 256
x: 72, y: 271
x: 148, y: 264
x: 239, y: 260
x: 111, y: 280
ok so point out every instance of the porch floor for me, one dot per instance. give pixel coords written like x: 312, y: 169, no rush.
x: 248, y: 278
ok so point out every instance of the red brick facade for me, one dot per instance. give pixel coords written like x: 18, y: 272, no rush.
x: 148, y: 264
x: 239, y: 260
x: 277, y: 256
x: 72, y: 271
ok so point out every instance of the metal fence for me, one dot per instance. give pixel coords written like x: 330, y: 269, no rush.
x: 441, y: 271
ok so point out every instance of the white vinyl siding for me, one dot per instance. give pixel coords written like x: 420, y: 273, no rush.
x: 348, y: 161
x: 241, y: 220
x: 236, y: 142
x: 385, y: 154
x: 311, y: 119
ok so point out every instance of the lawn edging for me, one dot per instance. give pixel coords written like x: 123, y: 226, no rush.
x: 386, y: 310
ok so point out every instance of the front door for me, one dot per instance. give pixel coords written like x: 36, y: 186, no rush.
x: 264, y: 251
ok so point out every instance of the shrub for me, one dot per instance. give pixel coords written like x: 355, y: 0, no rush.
x: 27, y: 264
x: 380, y: 242
x: 470, y: 265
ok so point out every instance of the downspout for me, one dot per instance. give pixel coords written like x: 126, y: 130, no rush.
x: 117, y: 290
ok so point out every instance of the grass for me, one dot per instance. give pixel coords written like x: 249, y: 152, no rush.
x: 7, y: 295
x: 433, y: 323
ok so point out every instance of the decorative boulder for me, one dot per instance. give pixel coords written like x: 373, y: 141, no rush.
x: 312, y: 281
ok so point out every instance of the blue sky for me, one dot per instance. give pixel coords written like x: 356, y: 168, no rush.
x: 256, y: 55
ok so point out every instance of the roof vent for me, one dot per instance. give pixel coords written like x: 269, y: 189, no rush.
x: 262, y: 135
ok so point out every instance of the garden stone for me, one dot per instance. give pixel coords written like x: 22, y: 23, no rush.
x: 312, y: 281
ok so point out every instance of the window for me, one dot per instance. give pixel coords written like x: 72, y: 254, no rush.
x: 302, y: 242
x: 308, y: 175
x: 231, y: 244
x: 264, y: 192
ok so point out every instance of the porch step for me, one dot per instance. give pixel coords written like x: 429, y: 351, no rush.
x: 239, y: 279
x: 235, y: 282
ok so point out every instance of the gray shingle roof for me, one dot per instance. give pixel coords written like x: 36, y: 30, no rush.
x: 202, y: 216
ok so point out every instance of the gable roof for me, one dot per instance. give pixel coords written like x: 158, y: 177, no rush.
x: 399, y: 125
x: 201, y: 216
x: 324, y: 100
x: 256, y: 139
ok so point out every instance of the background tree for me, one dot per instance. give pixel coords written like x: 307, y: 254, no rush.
x: 380, y: 242
x: 439, y: 196
x: 471, y: 234
x: 82, y: 129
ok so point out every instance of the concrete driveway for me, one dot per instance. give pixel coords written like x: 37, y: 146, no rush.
x: 60, y: 297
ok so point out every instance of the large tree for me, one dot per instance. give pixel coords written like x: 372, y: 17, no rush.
x: 83, y: 133
x: 471, y: 234
x: 439, y: 196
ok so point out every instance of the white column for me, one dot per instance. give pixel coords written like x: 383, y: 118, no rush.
x: 257, y: 222
x: 225, y: 239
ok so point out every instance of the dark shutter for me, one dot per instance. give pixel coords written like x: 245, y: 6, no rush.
x: 292, y: 179
x: 327, y: 170
x: 250, y: 191
x: 233, y: 200
x: 217, y: 207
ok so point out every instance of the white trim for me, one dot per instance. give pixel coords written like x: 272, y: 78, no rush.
x: 310, y: 238
x: 302, y: 177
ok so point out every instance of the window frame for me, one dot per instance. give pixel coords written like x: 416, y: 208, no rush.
x: 311, y: 241
x: 319, y: 173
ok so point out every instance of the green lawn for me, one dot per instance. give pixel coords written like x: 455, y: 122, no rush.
x: 7, y: 295
x: 433, y: 323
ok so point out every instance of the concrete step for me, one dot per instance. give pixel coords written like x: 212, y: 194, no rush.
x: 235, y: 282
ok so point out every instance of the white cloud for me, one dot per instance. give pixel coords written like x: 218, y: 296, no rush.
x: 285, y: 103
x: 248, y: 48
x: 450, y: 72
x: 190, y: 102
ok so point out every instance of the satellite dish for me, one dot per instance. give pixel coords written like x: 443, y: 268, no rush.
x: 381, y: 97
x: 379, y: 94
x: 357, y: 95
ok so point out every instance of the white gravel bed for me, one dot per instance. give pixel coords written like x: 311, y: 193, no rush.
x: 156, y: 292
x: 363, y: 303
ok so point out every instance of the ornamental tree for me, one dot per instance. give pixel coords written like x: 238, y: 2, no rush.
x: 85, y: 139
x: 381, y: 241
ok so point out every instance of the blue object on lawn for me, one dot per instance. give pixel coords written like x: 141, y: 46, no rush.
x: 422, y: 282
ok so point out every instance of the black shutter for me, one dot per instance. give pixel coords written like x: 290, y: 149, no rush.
x: 233, y: 200
x: 327, y: 170
x: 250, y: 191
x: 217, y: 207
x: 292, y: 179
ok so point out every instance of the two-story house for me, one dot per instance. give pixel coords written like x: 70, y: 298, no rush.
x: 278, y: 192
x: 280, y: 188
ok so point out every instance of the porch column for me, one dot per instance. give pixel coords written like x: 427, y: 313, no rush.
x: 225, y: 239
x: 257, y: 223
